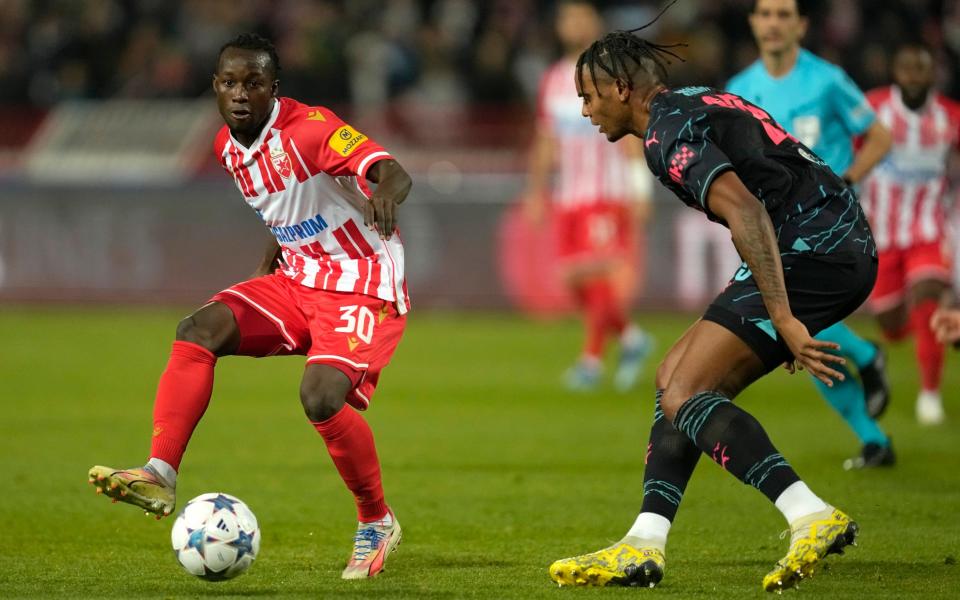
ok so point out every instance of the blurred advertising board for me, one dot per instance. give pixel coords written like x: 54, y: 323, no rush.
x: 148, y: 142
x: 180, y: 244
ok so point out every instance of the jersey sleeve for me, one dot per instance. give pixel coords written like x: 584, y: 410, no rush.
x: 850, y: 105
x: 692, y: 161
x: 336, y: 148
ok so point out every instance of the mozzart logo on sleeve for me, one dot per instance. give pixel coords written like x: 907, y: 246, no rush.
x: 346, y: 139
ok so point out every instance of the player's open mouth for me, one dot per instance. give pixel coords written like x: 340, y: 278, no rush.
x: 240, y: 115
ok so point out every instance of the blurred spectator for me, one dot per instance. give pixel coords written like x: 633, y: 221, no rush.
x: 371, y: 52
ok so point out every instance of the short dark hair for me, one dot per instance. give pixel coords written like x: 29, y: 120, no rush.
x: 252, y: 41
x: 914, y: 44
x: 620, y: 54
x: 803, y: 7
x: 590, y: 3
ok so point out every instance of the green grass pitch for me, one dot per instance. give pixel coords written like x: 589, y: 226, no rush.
x: 493, y: 470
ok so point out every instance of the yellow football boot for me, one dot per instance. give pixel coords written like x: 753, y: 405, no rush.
x: 811, y: 539
x: 140, y: 486
x: 620, y: 564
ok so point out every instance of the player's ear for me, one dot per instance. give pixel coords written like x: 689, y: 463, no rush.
x: 804, y: 23
x: 213, y: 83
x: 623, y: 90
x: 275, y: 88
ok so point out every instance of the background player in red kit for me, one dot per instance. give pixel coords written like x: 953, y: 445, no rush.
x: 599, y: 196
x: 904, y: 200
x: 338, y: 296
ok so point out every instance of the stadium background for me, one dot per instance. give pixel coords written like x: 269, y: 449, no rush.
x: 110, y: 200
x: 111, y: 192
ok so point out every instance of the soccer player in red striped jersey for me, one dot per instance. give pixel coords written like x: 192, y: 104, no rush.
x: 599, y: 193
x: 331, y: 287
x: 904, y: 200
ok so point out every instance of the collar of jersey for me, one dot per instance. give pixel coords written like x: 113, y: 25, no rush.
x: 263, y: 132
x: 655, y: 101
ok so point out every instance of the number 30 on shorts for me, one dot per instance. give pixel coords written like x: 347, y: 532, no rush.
x: 357, y: 320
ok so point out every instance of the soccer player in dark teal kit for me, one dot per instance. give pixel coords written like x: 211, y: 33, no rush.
x: 809, y: 260
x: 819, y: 104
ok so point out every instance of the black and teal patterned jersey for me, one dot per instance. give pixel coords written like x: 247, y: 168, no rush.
x: 697, y: 133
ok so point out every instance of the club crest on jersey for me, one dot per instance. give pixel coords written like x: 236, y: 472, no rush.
x: 281, y: 162
x: 345, y: 140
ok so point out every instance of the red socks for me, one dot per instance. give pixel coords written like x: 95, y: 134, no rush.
x: 350, y: 444
x: 603, y: 314
x: 929, y: 351
x: 182, y: 397
x: 184, y: 393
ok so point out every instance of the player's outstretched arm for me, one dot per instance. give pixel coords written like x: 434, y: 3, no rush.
x: 539, y: 169
x: 756, y: 241
x: 876, y: 143
x: 393, y: 185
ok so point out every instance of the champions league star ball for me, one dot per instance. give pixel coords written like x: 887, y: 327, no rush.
x: 216, y: 537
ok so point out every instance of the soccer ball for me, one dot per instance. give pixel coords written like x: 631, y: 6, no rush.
x: 216, y: 537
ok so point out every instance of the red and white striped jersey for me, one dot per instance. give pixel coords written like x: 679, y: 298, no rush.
x: 589, y: 169
x: 904, y: 195
x: 305, y: 177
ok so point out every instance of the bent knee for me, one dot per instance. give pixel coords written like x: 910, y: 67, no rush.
x: 675, y: 396
x: 322, y: 397
x: 928, y: 289
x: 668, y: 365
x: 664, y: 370
x: 670, y: 403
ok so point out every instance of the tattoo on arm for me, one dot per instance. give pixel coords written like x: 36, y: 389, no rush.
x: 756, y: 241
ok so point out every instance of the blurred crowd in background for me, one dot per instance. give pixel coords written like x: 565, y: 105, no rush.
x: 448, y: 85
x: 368, y: 53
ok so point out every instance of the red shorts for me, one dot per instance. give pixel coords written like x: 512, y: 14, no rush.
x: 353, y: 333
x: 595, y: 232
x: 902, y: 267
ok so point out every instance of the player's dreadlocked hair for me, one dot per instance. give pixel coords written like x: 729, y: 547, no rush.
x: 252, y: 41
x: 620, y: 54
